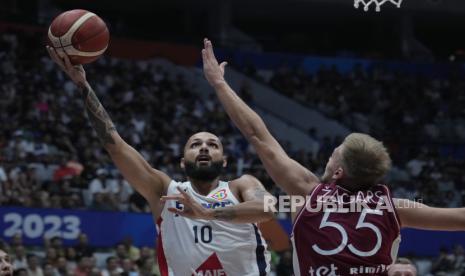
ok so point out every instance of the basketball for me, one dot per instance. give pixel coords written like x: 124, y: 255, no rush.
x: 81, y: 34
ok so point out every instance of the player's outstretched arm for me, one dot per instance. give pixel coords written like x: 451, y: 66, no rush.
x: 149, y: 182
x: 420, y: 216
x: 286, y: 172
x: 252, y: 209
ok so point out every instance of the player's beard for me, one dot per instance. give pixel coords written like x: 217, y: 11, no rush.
x: 203, y: 173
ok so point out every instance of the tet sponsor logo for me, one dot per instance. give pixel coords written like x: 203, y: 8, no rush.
x: 323, y: 271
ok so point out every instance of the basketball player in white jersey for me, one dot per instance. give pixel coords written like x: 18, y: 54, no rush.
x: 225, y: 240
x: 328, y: 242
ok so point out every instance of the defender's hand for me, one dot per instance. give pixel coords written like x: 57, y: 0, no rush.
x: 192, y: 209
x: 75, y: 72
x: 213, y: 71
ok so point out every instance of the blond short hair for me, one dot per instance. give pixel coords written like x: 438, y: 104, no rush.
x: 365, y: 160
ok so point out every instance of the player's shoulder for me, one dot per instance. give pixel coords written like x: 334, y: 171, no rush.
x: 174, y: 184
x: 245, y: 180
x: 242, y: 183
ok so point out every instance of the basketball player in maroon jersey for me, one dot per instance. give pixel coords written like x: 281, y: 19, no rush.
x: 335, y: 241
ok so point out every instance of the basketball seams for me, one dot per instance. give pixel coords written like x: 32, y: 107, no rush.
x: 53, y: 39
x: 66, y: 39
x: 89, y: 38
x: 71, y: 42
x: 70, y: 50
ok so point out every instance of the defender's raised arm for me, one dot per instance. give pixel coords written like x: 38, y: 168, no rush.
x: 286, y: 172
x: 421, y: 216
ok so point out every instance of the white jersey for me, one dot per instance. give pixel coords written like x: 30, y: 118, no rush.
x: 208, y: 247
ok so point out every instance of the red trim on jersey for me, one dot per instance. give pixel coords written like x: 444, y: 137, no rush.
x: 304, y: 207
x: 162, y: 264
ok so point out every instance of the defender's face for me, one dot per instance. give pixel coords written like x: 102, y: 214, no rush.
x: 203, y: 149
x: 333, y: 165
x: 6, y: 269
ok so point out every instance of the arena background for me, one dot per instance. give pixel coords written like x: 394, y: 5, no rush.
x: 315, y: 70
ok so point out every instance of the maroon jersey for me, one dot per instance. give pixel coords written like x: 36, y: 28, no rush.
x: 342, y: 233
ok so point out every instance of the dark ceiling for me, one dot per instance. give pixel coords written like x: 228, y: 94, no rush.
x: 321, y: 26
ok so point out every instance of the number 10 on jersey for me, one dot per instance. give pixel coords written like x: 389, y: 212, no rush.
x: 203, y: 233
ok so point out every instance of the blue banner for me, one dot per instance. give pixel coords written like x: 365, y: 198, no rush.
x: 104, y: 229
x: 311, y: 64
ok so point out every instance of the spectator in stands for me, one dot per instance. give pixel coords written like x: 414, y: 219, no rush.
x: 121, y: 252
x: 133, y: 252
x: 19, y: 257
x: 112, y: 267
x: 62, y: 267
x: 33, y: 266
x: 51, y: 256
x: 94, y: 269
x: 128, y: 267
x: 49, y: 270
x: 148, y: 268
x: 108, y: 188
x: 402, y: 267
x: 443, y: 263
x: 458, y: 260
x: 64, y: 171
x: 82, y: 248
x: 145, y: 253
x: 57, y: 244
x: 72, y: 258
x: 83, y: 267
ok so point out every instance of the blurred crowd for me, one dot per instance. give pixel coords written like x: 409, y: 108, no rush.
x: 392, y: 104
x: 51, y: 158
x: 55, y: 259
x: 421, y: 119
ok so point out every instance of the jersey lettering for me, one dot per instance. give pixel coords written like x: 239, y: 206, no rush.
x: 343, y: 240
x: 209, y: 248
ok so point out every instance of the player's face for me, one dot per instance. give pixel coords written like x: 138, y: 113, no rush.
x: 203, y: 156
x: 6, y: 269
x: 333, y: 167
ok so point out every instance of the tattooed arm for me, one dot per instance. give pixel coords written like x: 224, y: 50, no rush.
x: 253, y: 208
x: 256, y: 206
x: 149, y: 182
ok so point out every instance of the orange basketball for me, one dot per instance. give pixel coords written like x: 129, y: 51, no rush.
x: 81, y: 34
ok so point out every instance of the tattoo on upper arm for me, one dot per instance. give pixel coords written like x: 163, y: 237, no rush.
x: 98, y: 116
x: 259, y: 192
